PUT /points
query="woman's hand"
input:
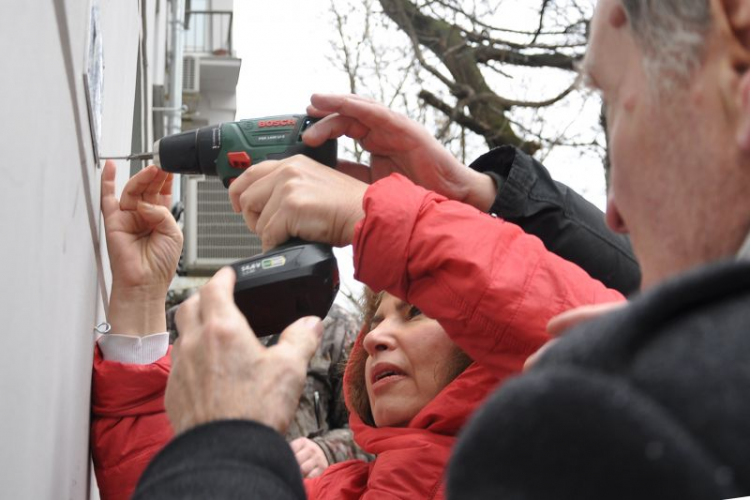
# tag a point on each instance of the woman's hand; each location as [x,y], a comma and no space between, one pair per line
[310,457]
[298,197]
[144,245]
[396,144]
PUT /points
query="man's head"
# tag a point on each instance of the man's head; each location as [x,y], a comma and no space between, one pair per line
[675,80]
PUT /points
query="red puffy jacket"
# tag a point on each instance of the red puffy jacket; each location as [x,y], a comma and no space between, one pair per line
[491,286]
[128,424]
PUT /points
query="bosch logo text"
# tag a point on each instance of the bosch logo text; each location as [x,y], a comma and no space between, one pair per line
[277,123]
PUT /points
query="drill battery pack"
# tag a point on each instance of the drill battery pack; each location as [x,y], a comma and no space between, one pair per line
[291,281]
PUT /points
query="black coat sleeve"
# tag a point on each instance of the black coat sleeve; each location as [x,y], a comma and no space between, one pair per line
[223,460]
[573,433]
[569,226]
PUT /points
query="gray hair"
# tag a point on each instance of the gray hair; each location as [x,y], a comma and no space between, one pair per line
[672,35]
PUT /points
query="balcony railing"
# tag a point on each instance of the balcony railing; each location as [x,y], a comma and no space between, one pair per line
[208,32]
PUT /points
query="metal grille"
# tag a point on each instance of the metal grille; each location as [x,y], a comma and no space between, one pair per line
[220,235]
[191,74]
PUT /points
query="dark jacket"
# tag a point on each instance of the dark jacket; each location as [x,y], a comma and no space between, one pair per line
[568,225]
[225,460]
[648,403]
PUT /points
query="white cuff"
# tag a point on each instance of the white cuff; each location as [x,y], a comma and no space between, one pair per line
[744,253]
[132,349]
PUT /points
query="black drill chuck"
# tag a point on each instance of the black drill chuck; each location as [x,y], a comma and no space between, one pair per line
[191,152]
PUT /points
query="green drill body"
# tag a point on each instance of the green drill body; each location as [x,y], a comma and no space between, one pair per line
[226,150]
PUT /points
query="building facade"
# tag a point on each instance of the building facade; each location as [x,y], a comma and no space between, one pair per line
[81,79]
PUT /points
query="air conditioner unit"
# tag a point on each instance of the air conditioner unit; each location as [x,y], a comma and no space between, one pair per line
[214,234]
[191,74]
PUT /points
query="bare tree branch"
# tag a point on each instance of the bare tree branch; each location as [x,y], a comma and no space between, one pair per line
[543,60]
[545,3]
[459,57]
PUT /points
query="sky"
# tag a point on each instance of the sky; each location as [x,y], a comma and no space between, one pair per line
[283,51]
[284,46]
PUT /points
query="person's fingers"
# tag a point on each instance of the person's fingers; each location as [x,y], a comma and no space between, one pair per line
[531,360]
[109,201]
[217,296]
[308,466]
[270,211]
[562,322]
[309,456]
[369,112]
[303,335]
[219,312]
[253,200]
[333,102]
[164,198]
[159,219]
[316,112]
[298,444]
[350,115]
[247,179]
[188,318]
[333,127]
[276,231]
[166,188]
[137,186]
[315,472]
[304,453]
[153,190]
[165,195]
[251,219]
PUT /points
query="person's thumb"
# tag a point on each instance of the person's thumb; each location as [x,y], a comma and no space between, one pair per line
[304,336]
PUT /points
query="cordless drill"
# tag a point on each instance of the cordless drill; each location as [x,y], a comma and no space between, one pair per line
[290,281]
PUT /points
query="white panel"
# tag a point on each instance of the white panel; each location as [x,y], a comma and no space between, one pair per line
[120,28]
[49,292]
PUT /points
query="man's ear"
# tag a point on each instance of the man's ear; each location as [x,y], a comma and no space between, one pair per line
[737,15]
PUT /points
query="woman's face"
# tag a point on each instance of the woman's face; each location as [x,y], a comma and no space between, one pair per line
[408,363]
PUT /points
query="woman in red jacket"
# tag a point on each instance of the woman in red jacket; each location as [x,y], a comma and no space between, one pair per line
[409,389]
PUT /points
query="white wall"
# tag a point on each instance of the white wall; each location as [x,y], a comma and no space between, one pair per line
[50,293]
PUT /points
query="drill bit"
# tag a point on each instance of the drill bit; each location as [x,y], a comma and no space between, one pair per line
[135,156]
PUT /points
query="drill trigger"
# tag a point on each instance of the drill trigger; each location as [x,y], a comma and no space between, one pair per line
[239,159]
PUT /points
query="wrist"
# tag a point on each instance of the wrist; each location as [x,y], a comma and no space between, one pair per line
[137,311]
[482,191]
[356,214]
